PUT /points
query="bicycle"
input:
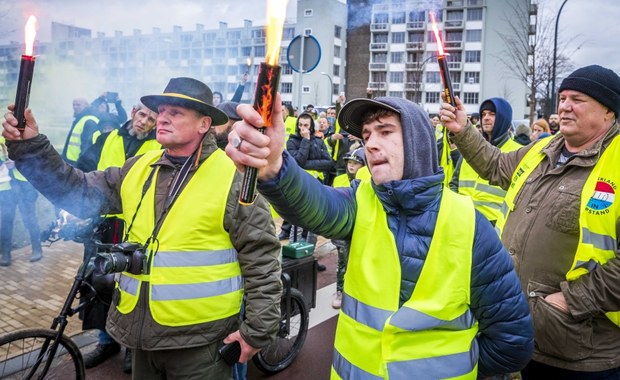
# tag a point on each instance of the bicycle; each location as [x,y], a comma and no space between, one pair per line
[38,353]
[294,321]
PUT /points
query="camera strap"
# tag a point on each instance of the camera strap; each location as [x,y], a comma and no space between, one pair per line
[145,188]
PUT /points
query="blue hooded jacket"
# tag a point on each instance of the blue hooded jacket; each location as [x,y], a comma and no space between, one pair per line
[412,204]
[503,120]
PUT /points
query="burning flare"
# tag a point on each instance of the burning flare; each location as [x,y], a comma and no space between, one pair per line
[30,34]
[436,31]
[276,13]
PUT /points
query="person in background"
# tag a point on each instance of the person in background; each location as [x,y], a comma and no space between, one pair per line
[523,133]
[561,224]
[16,191]
[222,131]
[355,160]
[323,128]
[539,127]
[174,322]
[475,121]
[421,297]
[554,123]
[83,132]
[496,120]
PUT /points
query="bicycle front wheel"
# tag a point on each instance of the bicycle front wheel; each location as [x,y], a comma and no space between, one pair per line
[37,354]
[291,337]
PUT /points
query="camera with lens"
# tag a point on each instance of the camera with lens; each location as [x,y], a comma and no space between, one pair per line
[123,257]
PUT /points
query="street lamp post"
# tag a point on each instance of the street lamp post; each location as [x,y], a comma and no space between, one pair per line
[555,49]
[331,88]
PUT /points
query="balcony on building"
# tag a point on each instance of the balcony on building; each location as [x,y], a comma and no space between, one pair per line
[377,66]
[452,4]
[453,45]
[416,25]
[378,46]
[453,24]
[377,85]
[416,86]
[377,27]
[414,46]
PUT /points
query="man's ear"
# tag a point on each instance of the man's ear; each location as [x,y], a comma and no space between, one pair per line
[205,124]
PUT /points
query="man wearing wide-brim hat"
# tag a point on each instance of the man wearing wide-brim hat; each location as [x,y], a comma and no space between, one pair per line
[203,250]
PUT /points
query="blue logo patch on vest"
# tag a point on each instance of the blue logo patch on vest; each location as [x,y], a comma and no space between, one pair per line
[603,197]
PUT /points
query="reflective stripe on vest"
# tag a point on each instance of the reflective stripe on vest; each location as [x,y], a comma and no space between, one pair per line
[75,140]
[445,161]
[487,198]
[113,152]
[599,209]
[194,275]
[432,335]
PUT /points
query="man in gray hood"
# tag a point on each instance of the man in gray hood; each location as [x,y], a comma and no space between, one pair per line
[429,290]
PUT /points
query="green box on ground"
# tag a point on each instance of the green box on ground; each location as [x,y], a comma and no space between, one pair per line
[297,250]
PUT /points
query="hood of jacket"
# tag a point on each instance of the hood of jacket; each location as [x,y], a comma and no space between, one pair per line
[503,119]
[419,145]
[312,128]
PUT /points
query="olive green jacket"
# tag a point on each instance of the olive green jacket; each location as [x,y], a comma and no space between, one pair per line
[251,231]
[542,234]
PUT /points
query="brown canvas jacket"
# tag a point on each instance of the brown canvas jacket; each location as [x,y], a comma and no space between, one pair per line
[251,230]
[542,234]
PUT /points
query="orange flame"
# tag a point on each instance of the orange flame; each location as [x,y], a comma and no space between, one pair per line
[267,101]
[276,13]
[436,31]
[31,32]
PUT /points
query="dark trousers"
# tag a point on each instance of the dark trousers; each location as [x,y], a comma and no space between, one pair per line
[23,195]
[539,371]
[197,363]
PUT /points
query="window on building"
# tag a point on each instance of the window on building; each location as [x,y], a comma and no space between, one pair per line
[455,76]
[416,16]
[473,35]
[433,77]
[398,17]
[305,89]
[396,77]
[381,18]
[472,77]
[246,51]
[472,56]
[233,52]
[438,16]
[395,94]
[232,70]
[288,33]
[474,14]
[397,57]
[259,51]
[416,37]
[379,57]
[258,33]
[336,70]
[233,35]
[454,15]
[470,98]
[380,38]
[432,97]
[455,3]
[286,69]
[337,31]
[474,3]
[378,76]
[454,36]
[398,37]
[336,51]
[307,31]
[220,69]
[455,56]
[308,12]
[430,36]
[286,88]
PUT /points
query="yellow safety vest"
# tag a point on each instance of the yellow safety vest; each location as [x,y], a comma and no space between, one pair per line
[445,161]
[433,334]
[599,210]
[75,140]
[342,181]
[113,151]
[487,199]
[363,173]
[195,276]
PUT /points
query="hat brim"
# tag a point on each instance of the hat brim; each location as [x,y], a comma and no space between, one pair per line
[153,102]
[350,116]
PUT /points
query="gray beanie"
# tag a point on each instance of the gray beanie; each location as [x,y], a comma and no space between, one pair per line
[597,82]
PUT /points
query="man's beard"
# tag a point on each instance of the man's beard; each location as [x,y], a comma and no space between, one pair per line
[138,135]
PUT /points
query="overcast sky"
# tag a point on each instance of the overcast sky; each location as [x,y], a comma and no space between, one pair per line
[590,22]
